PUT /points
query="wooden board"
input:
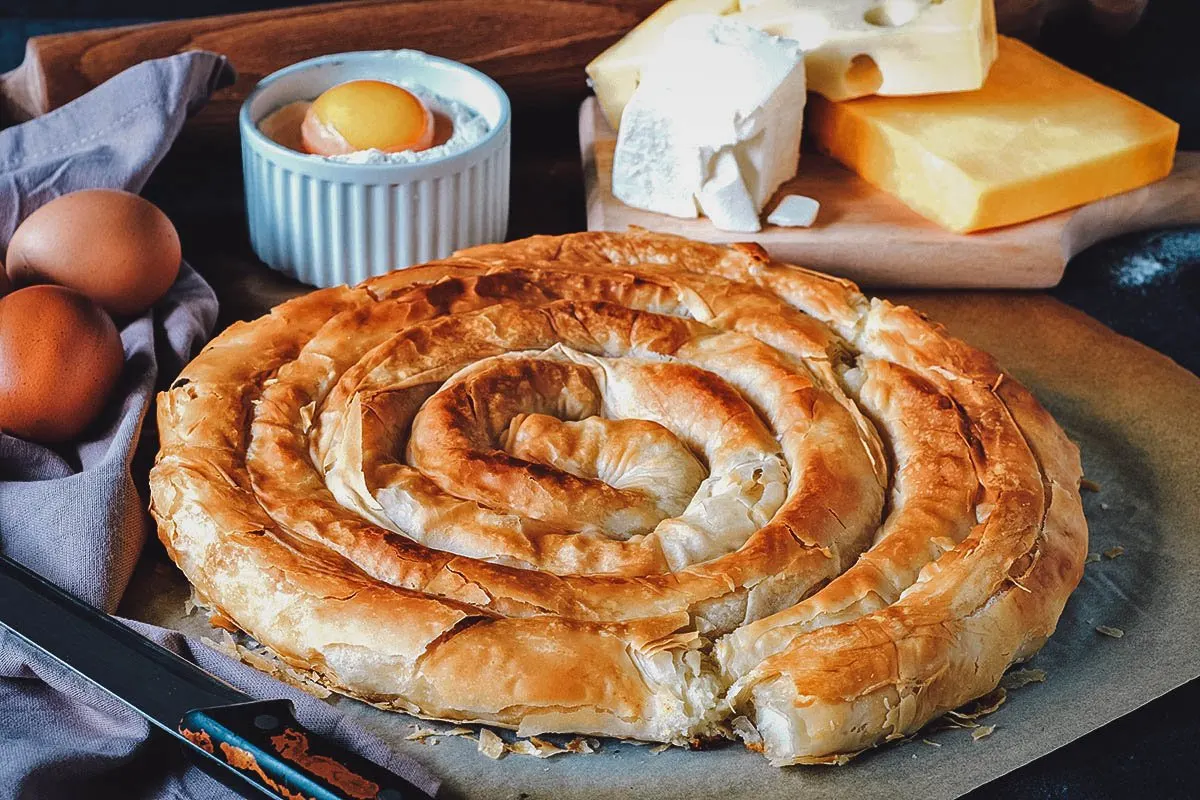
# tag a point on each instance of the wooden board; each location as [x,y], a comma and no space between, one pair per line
[536,49]
[870,237]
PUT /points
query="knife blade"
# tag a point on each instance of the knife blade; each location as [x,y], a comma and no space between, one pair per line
[253,746]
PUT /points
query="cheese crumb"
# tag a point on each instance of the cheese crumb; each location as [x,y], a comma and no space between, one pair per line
[795,211]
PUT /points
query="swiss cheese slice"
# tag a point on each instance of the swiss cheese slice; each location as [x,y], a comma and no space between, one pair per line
[852,47]
[855,48]
[1036,139]
[615,73]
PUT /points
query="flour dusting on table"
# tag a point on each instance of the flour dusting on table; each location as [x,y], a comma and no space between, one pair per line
[1160,255]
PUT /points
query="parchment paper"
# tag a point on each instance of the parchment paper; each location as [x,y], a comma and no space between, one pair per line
[1131,410]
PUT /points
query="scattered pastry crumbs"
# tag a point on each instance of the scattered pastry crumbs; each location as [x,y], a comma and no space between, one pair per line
[494,747]
[223,644]
[1113,552]
[490,744]
[1115,633]
[982,731]
[429,735]
[982,706]
[1092,558]
[947,723]
[1023,677]
[421,733]
[534,746]
[583,745]
[931,743]
[964,717]
[190,605]
[745,730]
[659,749]
[218,620]
[1088,485]
[264,660]
[834,760]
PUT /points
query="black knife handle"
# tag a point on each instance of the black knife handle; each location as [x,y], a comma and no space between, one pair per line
[263,742]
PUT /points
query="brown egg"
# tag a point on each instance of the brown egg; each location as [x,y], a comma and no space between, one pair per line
[60,356]
[112,246]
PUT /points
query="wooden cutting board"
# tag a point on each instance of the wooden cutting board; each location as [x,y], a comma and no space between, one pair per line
[536,49]
[866,235]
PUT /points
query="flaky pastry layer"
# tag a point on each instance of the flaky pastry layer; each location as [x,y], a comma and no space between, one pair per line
[626,485]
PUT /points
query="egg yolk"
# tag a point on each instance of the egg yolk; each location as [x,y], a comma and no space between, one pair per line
[365,115]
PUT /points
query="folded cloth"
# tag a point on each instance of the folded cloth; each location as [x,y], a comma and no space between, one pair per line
[74,514]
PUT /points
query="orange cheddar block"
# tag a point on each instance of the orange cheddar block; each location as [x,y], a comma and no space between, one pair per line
[1036,139]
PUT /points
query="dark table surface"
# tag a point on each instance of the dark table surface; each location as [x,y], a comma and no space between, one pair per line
[1146,286]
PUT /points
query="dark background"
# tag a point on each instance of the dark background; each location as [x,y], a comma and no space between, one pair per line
[1146,286]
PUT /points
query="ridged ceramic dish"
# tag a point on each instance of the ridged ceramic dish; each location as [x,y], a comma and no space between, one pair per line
[328,223]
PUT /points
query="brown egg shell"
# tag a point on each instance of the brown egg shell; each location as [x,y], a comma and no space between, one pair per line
[60,357]
[113,246]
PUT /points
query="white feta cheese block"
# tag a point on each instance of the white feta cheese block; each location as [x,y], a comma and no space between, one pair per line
[724,197]
[795,211]
[714,125]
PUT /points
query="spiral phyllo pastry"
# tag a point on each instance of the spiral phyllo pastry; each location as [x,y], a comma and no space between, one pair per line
[626,485]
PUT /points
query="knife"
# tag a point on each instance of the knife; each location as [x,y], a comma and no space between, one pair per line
[246,744]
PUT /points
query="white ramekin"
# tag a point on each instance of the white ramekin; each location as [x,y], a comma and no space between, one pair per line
[328,223]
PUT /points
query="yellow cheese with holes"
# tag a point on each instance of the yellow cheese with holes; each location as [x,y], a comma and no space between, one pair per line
[615,73]
[852,48]
[1036,139]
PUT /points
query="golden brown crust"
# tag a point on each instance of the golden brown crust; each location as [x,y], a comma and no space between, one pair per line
[624,485]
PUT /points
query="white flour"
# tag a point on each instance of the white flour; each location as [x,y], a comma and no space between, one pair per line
[1139,270]
[1157,257]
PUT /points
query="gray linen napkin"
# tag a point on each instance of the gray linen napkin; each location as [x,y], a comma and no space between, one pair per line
[74,514]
